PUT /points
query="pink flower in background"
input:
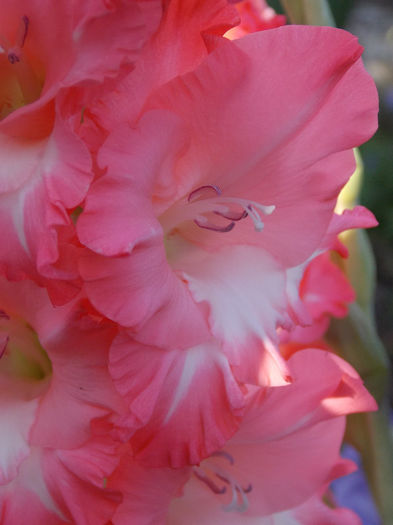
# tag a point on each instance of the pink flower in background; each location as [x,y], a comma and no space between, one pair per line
[255,15]
[317,289]
[325,292]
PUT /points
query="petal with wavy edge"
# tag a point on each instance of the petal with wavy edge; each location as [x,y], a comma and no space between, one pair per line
[252,133]
[180,422]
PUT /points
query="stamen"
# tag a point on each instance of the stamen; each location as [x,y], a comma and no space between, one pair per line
[239,506]
[209,482]
[14,53]
[205,202]
[235,485]
[258,224]
[23,30]
[239,502]
[223,454]
[250,208]
[202,222]
[13,57]
[232,216]
[238,493]
[3,346]
[196,194]
[4,315]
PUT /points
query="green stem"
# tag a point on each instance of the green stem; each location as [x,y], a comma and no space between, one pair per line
[309,12]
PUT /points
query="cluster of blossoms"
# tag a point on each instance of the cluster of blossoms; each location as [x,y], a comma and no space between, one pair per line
[167,198]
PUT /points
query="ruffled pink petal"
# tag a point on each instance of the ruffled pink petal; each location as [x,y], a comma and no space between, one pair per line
[358,217]
[351,396]
[81,389]
[78,387]
[325,288]
[29,490]
[20,160]
[308,93]
[323,386]
[187,400]
[140,284]
[77,42]
[63,486]
[180,42]
[51,166]
[68,410]
[109,36]
[25,300]
[147,493]
[133,158]
[325,292]
[132,289]
[77,481]
[181,37]
[296,428]
[35,216]
[13,510]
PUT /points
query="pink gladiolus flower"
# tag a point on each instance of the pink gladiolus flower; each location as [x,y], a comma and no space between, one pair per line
[56,401]
[285,452]
[215,193]
[182,159]
[54,57]
[172,192]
